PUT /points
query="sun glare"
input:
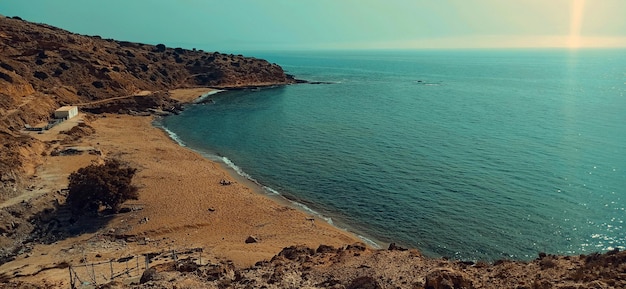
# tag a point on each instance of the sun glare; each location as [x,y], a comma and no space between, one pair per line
[576,21]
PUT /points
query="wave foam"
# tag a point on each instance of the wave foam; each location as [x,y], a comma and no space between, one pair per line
[204,96]
[173,136]
[237,169]
[370,242]
[269,190]
[310,211]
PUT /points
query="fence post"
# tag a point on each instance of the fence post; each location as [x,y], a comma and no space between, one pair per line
[93,273]
[71,278]
[147,256]
[111,266]
[137,261]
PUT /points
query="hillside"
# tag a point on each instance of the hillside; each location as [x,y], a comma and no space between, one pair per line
[44,67]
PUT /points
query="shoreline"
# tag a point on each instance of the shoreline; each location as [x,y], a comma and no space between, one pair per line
[237,173]
[185,184]
[182,204]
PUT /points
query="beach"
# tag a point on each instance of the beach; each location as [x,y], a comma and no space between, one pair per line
[185,201]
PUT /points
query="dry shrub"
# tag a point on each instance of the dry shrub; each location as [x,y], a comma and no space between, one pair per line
[106,185]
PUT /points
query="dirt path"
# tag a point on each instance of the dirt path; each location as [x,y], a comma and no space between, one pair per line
[52,175]
[141,93]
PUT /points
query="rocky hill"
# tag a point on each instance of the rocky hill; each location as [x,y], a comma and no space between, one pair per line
[44,67]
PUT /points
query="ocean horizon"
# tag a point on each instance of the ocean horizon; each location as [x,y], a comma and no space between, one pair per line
[474,155]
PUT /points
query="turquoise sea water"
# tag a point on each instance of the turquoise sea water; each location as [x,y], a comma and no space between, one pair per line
[475,155]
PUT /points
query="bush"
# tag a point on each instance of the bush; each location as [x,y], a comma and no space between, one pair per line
[41,75]
[97,84]
[94,186]
[160,47]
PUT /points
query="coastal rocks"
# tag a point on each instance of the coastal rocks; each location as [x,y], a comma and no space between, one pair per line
[445,278]
[296,252]
[356,247]
[302,267]
[325,249]
[365,282]
[394,247]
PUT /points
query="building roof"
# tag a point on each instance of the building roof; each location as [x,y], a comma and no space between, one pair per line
[66,108]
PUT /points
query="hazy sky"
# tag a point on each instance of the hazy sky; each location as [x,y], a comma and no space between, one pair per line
[240,25]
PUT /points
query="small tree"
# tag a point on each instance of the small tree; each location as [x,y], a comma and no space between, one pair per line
[106,185]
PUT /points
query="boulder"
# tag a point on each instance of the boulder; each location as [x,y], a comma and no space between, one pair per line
[394,247]
[251,239]
[325,249]
[444,278]
[148,275]
[364,282]
[296,252]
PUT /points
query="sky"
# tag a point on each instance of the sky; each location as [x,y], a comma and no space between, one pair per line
[256,25]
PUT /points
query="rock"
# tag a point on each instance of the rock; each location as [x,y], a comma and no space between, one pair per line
[444,278]
[218,271]
[251,239]
[148,275]
[356,247]
[186,266]
[296,252]
[125,259]
[325,249]
[365,282]
[124,210]
[277,276]
[597,284]
[394,247]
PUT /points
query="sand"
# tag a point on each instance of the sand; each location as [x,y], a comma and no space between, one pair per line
[188,95]
[182,203]
[185,203]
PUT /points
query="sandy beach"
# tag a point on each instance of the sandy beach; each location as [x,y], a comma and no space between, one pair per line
[185,203]
[182,203]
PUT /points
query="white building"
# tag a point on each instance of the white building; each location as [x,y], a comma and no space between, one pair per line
[66,112]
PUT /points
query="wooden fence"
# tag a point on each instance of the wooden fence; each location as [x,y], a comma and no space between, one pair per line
[93,274]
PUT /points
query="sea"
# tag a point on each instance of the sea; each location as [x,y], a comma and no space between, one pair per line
[471,155]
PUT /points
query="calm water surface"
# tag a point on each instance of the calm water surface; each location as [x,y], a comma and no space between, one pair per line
[466,154]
